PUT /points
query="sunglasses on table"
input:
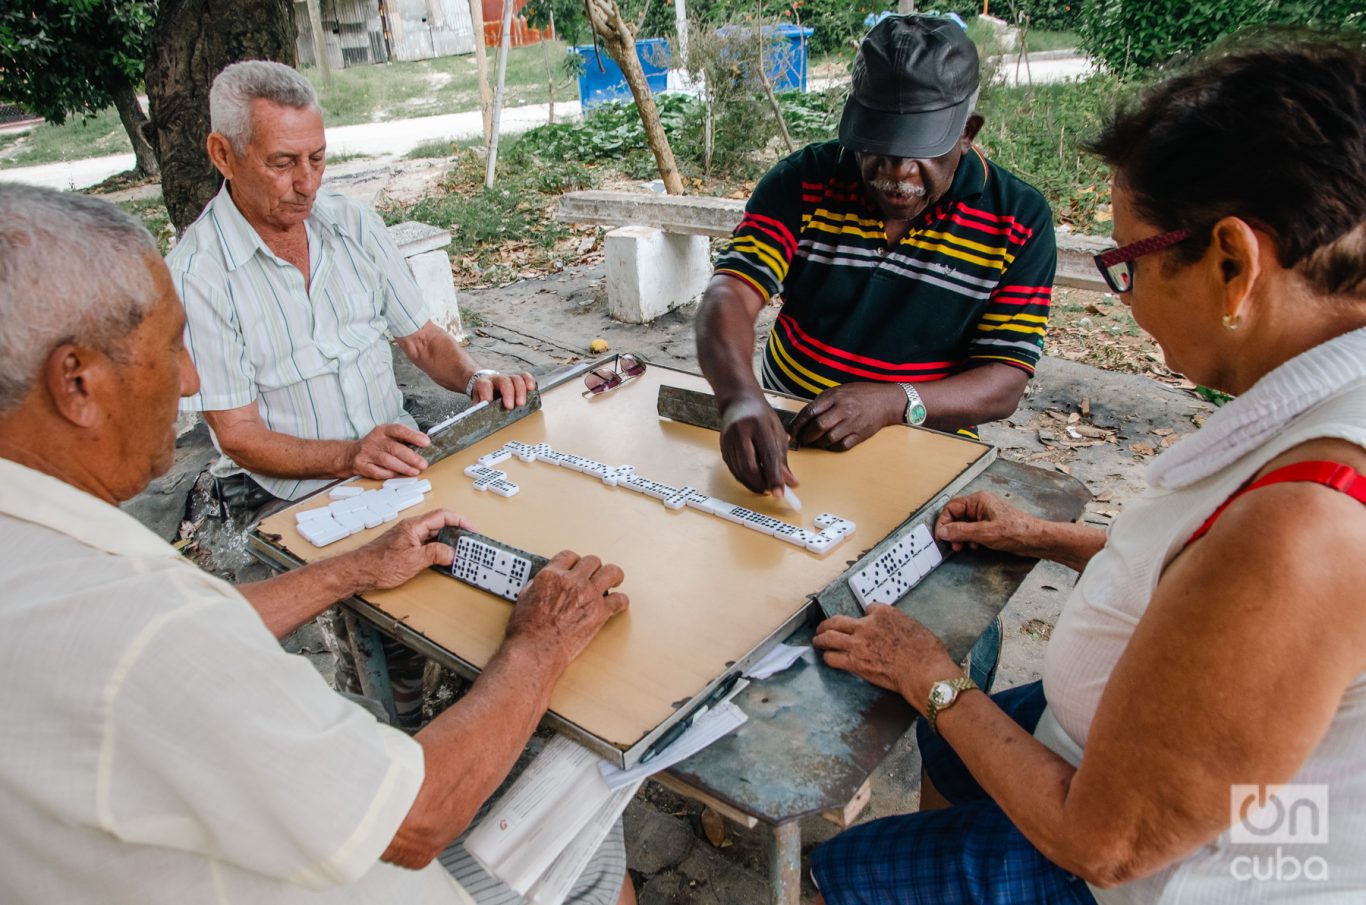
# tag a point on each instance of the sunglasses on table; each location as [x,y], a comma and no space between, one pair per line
[624,367]
[1117,264]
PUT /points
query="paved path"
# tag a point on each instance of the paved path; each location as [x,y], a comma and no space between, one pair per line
[398,137]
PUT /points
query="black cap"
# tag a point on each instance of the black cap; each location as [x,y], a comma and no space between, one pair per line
[914,78]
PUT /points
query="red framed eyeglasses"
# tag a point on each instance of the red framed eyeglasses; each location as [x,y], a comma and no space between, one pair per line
[1116,265]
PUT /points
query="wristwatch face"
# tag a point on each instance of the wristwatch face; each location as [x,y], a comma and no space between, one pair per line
[941,693]
[917,414]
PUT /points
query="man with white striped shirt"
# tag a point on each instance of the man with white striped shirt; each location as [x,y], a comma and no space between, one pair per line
[289,289]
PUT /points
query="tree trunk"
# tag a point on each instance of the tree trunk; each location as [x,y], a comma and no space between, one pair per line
[191,42]
[134,121]
[605,18]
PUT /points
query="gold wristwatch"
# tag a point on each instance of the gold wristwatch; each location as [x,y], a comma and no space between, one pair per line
[944,695]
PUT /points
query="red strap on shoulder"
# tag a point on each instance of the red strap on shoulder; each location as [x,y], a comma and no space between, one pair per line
[1334,475]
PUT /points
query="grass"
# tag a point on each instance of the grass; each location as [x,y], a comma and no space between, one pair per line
[1036,131]
[360,94]
[98,136]
[367,94]
[152,213]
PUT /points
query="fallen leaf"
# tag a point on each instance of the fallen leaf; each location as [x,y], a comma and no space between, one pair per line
[1074,418]
[1162,431]
[1170,440]
[1103,497]
[1141,449]
[1062,468]
[714,825]
[1086,406]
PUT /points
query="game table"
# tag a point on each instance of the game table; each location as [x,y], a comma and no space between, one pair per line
[708,596]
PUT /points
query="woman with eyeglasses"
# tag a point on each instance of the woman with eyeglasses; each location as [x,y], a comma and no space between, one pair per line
[1199,735]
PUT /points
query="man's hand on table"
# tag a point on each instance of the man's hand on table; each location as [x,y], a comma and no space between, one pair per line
[754,444]
[889,649]
[512,389]
[384,453]
[403,551]
[566,604]
[844,416]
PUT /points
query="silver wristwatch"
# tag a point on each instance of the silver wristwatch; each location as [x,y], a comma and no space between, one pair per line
[477,376]
[915,407]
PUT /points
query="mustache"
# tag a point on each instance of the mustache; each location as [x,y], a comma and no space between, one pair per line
[900,188]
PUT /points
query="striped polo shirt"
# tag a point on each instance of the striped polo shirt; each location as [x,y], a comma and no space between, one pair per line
[315,360]
[969,284]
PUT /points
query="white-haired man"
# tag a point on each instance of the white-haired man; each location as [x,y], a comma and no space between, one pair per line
[289,290]
[134,773]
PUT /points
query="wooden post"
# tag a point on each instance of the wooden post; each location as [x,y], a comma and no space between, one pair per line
[505,45]
[481,63]
[549,70]
[315,25]
[680,59]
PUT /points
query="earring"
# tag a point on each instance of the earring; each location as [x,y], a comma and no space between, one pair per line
[1231,321]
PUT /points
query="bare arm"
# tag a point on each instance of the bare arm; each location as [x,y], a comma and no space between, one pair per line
[438,354]
[1263,604]
[470,748]
[984,520]
[844,416]
[287,601]
[382,453]
[753,440]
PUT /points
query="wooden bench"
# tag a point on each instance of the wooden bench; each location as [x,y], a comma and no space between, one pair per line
[658,254]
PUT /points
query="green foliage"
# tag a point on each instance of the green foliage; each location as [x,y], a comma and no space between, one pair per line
[1126,35]
[57,57]
[1036,133]
[570,23]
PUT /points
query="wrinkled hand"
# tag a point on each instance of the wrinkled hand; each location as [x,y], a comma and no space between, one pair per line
[383,453]
[844,416]
[567,602]
[754,445]
[887,648]
[403,551]
[511,388]
[985,520]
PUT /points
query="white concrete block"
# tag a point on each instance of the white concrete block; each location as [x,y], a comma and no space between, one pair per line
[650,271]
[432,270]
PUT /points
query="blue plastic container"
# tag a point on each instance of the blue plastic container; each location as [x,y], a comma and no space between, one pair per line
[597,87]
[785,53]
[787,69]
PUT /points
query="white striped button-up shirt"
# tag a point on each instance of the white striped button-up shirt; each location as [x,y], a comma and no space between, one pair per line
[315,359]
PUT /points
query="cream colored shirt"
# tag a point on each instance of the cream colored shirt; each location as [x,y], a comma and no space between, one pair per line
[160,746]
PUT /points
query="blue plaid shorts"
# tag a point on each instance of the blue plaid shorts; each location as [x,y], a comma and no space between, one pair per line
[969,853]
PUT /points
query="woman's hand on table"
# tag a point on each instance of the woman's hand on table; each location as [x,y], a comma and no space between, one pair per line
[889,649]
[985,520]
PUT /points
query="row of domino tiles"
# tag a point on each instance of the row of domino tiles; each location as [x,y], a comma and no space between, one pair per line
[353,509]
[831,529]
[485,566]
[898,569]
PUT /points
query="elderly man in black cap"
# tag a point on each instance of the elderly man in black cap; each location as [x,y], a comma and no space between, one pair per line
[915,274]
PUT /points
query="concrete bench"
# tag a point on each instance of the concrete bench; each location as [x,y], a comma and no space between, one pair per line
[423,247]
[658,255]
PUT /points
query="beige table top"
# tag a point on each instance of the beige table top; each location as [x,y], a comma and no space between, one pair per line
[704,591]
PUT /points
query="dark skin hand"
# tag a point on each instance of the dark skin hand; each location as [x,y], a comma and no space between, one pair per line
[844,416]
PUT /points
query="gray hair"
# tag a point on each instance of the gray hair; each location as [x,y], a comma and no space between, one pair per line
[241,83]
[72,268]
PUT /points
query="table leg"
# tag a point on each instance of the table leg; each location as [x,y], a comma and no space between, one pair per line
[371,667]
[785,863]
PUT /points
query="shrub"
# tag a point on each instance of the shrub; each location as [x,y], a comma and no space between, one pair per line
[1124,35]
